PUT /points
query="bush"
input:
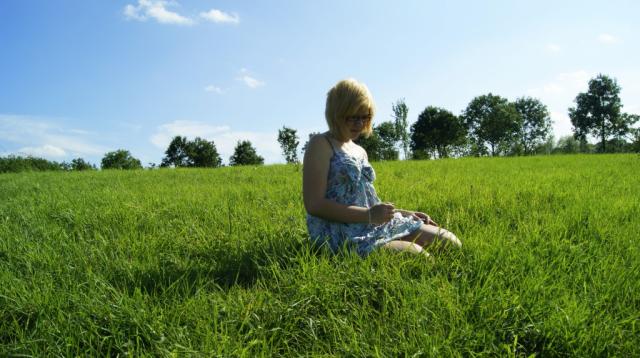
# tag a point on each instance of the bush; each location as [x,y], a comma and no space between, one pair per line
[120,159]
[15,164]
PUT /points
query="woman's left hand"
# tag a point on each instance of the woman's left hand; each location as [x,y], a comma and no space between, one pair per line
[425,218]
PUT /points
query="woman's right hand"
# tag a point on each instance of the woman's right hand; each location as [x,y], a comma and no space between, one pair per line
[381,213]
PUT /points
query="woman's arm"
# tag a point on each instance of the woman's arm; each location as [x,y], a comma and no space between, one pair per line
[314,188]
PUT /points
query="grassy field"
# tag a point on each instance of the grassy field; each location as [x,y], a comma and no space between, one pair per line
[216,262]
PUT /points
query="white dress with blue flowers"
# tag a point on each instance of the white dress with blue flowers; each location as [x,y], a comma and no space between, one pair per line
[350,182]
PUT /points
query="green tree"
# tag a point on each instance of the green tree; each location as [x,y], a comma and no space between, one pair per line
[288,140]
[635,141]
[81,164]
[536,123]
[400,112]
[547,146]
[245,154]
[598,112]
[15,164]
[436,131]
[492,119]
[381,144]
[120,159]
[177,153]
[203,154]
[567,145]
[371,145]
[387,132]
[196,153]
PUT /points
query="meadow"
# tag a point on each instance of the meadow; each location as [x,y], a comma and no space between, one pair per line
[216,262]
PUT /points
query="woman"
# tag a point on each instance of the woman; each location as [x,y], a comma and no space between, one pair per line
[342,205]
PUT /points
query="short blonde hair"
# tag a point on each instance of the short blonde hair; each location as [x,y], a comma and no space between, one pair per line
[348,98]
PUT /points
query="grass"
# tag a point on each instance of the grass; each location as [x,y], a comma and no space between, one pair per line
[216,262]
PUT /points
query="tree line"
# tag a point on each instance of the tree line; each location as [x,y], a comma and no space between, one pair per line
[490,125]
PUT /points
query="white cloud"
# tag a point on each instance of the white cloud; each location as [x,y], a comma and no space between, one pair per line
[558,94]
[45,137]
[224,137]
[155,9]
[553,48]
[220,17]
[563,84]
[248,80]
[561,124]
[608,39]
[214,89]
[46,150]
[251,82]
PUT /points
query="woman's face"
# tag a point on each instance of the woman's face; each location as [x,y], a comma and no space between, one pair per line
[356,123]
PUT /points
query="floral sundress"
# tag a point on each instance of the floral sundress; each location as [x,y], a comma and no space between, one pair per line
[350,182]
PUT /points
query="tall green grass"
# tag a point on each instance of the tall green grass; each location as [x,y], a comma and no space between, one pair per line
[216,262]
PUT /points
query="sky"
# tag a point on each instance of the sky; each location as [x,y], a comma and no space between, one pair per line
[82,78]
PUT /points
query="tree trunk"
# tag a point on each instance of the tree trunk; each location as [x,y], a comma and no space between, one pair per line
[603,137]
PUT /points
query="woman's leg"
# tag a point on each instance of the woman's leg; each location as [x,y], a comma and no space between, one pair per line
[406,246]
[429,235]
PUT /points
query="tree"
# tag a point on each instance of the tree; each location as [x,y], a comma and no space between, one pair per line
[400,111]
[381,144]
[196,153]
[177,154]
[387,132]
[536,123]
[245,154]
[15,164]
[120,159]
[493,120]
[597,112]
[288,140]
[635,143]
[203,154]
[371,145]
[81,164]
[567,145]
[436,131]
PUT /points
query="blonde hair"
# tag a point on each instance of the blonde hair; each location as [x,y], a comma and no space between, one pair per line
[348,98]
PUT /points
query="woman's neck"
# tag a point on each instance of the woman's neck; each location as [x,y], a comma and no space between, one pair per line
[348,141]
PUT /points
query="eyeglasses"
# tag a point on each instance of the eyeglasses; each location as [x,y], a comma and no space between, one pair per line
[364,119]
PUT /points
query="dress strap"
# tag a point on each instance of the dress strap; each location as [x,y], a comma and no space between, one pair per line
[331,144]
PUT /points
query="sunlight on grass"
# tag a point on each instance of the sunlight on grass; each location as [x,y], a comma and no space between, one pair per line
[217,262]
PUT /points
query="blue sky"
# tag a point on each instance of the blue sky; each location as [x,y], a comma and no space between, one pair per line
[80,78]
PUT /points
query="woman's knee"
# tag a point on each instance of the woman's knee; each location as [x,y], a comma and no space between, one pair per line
[406,246]
[450,238]
[436,235]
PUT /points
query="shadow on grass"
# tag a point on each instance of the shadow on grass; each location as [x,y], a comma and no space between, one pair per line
[214,268]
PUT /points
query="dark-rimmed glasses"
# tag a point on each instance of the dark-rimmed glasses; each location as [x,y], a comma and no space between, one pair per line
[364,119]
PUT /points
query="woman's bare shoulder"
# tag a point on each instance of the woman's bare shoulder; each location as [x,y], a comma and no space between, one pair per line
[319,147]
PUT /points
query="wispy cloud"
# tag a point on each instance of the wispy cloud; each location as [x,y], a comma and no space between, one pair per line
[156,9]
[47,151]
[224,137]
[558,94]
[45,137]
[249,80]
[568,82]
[214,89]
[608,39]
[220,17]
